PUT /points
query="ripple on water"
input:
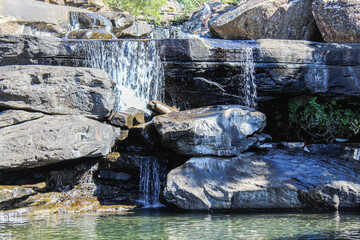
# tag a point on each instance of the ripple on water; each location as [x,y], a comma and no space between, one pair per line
[150,224]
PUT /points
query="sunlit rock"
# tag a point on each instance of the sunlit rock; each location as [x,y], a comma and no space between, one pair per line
[90,34]
[274,180]
[56,90]
[11,117]
[137,30]
[338,21]
[254,19]
[53,139]
[217,130]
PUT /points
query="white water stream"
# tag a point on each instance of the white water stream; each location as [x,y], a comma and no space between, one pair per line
[134,66]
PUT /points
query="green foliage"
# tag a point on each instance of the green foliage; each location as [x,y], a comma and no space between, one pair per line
[192,5]
[180,20]
[148,8]
[232,2]
[324,121]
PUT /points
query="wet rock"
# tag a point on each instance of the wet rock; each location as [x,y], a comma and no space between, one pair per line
[9,195]
[137,30]
[11,117]
[274,180]
[56,90]
[142,137]
[127,118]
[53,139]
[85,20]
[168,32]
[112,175]
[217,130]
[338,21]
[254,19]
[90,34]
[120,20]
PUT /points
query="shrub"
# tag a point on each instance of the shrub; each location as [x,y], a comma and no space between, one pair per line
[324,121]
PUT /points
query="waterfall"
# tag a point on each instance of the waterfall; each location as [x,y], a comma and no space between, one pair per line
[151,176]
[134,66]
[247,86]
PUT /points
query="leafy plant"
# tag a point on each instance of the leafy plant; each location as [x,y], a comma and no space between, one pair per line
[324,121]
[232,2]
[148,8]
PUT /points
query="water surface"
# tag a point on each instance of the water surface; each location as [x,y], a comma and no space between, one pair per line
[150,224]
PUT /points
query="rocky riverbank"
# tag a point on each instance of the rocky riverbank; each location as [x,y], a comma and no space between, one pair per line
[68,145]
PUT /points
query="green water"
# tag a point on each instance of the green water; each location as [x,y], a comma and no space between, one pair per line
[165,225]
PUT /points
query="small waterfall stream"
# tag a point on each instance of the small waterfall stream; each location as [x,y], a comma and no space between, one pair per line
[247,86]
[134,66]
[152,173]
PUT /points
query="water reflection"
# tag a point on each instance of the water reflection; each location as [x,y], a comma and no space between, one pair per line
[165,225]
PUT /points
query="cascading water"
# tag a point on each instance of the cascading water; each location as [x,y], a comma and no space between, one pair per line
[151,177]
[134,66]
[247,86]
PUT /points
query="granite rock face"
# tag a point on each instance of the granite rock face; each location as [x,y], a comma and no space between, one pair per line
[53,139]
[278,19]
[338,21]
[11,117]
[217,130]
[56,90]
[275,180]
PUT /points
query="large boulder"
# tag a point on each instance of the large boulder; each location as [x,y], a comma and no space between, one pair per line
[255,19]
[37,11]
[53,139]
[275,180]
[217,130]
[12,25]
[338,21]
[56,90]
[137,30]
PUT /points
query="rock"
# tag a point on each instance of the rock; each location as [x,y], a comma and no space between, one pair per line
[56,90]
[338,21]
[168,32]
[11,117]
[194,24]
[137,30]
[53,139]
[74,190]
[11,194]
[120,20]
[254,19]
[271,181]
[90,34]
[12,25]
[37,11]
[85,20]
[41,29]
[127,118]
[201,72]
[160,108]
[141,138]
[112,175]
[217,130]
